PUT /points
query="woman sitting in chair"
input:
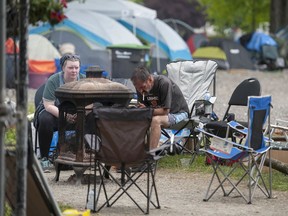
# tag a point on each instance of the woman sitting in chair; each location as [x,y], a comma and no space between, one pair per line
[48,118]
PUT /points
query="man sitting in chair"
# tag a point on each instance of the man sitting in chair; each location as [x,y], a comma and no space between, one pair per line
[162,94]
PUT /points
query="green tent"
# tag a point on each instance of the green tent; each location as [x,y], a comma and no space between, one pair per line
[212,53]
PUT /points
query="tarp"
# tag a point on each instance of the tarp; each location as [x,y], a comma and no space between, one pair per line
[258,40]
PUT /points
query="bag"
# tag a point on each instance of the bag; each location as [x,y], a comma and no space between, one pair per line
[39,109]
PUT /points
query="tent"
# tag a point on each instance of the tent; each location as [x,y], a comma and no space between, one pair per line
[195,40]
[237,56]
[42,57]
[90,33]
[193,37]
[165,43]
[212,53]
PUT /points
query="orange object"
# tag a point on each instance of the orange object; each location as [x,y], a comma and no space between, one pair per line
[42,66]
[10,46]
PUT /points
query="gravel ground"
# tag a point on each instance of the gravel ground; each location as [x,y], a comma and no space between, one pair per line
[181,192]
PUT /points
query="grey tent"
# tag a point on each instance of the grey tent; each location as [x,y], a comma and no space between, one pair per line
[237,56]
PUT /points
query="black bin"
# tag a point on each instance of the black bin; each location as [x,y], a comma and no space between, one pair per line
[126,57]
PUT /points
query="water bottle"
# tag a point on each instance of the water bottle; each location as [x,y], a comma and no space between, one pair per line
[90,203]
[207,96]
[207,105]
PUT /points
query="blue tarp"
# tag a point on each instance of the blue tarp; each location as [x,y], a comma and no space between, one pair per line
[258,40]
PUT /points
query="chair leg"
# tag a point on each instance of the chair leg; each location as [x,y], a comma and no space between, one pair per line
[130,179]
[225,178]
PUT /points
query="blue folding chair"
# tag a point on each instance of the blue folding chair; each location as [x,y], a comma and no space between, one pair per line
[250,157]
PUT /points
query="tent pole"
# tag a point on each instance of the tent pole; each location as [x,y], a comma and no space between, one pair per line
[157,48]
[21,109]
[2,104]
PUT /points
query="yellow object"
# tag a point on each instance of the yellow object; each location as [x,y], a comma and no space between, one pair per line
[74,212]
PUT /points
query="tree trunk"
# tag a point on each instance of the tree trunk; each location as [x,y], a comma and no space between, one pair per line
[278,15]
[277,165]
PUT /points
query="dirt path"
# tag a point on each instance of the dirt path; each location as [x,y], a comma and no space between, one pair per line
[180,193]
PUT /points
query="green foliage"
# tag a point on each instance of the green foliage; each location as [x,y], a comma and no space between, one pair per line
[10,136]
[47,10]
[242,14]
[7,209]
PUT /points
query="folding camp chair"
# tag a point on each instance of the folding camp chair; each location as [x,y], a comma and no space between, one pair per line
[250,157]
[123,142]
[38,109]
[239,97]
[194,79]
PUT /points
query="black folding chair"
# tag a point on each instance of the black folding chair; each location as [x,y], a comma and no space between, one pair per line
[122,141]
[239,97]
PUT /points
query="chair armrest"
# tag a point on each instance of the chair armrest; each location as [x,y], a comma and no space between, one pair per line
[238,127]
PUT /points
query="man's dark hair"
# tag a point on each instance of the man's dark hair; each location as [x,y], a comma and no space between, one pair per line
[140,73]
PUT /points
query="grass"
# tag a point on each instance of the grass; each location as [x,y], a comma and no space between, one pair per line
[279,180]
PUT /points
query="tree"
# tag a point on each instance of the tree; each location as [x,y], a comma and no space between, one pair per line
[188,11]
[278,15]
[51,11]
[247,15]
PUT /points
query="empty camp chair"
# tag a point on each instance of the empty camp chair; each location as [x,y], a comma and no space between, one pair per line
[239,97]
[122,141]
[194,79]
[249,157]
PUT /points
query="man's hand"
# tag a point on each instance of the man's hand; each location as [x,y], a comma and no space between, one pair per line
[140,105]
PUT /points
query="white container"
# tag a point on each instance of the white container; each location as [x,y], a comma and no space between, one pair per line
[90,203]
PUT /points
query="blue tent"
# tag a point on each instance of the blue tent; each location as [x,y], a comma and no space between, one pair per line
[91,33]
